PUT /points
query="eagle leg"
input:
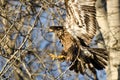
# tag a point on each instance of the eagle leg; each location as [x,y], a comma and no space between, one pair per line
[57,57]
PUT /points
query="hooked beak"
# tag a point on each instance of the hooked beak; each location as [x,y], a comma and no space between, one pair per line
[50,30]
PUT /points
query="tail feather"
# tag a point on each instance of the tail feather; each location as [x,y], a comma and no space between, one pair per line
[99,52]
[97,64]
[89,58]
[81,67]
[74,67]
[78,67]
[101,60]
[97,56]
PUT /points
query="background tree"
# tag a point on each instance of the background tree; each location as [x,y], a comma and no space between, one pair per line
[109,22]
[25,44]
[113,11]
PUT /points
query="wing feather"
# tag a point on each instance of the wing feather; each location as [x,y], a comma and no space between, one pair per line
[81,21]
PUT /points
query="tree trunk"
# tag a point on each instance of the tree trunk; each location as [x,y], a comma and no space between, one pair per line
[109,22]
[114,39]
[102,21]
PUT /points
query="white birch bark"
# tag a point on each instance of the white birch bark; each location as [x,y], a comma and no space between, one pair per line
[114,41]
[109,23]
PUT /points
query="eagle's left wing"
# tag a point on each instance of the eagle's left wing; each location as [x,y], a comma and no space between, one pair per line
[81,20]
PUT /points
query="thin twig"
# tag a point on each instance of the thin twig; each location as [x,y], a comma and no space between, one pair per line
[3,69]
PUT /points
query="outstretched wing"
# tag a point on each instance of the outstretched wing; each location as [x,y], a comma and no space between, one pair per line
[81,19]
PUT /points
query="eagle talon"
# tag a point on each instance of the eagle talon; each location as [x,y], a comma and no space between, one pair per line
[53,56]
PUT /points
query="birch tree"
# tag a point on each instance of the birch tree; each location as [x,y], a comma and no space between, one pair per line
[113,12]
[108,16]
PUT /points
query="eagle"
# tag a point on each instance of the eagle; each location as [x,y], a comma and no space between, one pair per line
[76,35]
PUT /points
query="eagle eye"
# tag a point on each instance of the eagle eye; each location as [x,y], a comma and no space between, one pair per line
[55,28]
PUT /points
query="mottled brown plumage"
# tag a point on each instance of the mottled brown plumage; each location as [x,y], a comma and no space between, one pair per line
[82,55]
[76,35]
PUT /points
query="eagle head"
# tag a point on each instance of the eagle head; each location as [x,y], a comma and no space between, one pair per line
[58,30]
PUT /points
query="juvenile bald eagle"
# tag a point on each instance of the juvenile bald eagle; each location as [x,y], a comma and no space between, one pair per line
[76,35]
